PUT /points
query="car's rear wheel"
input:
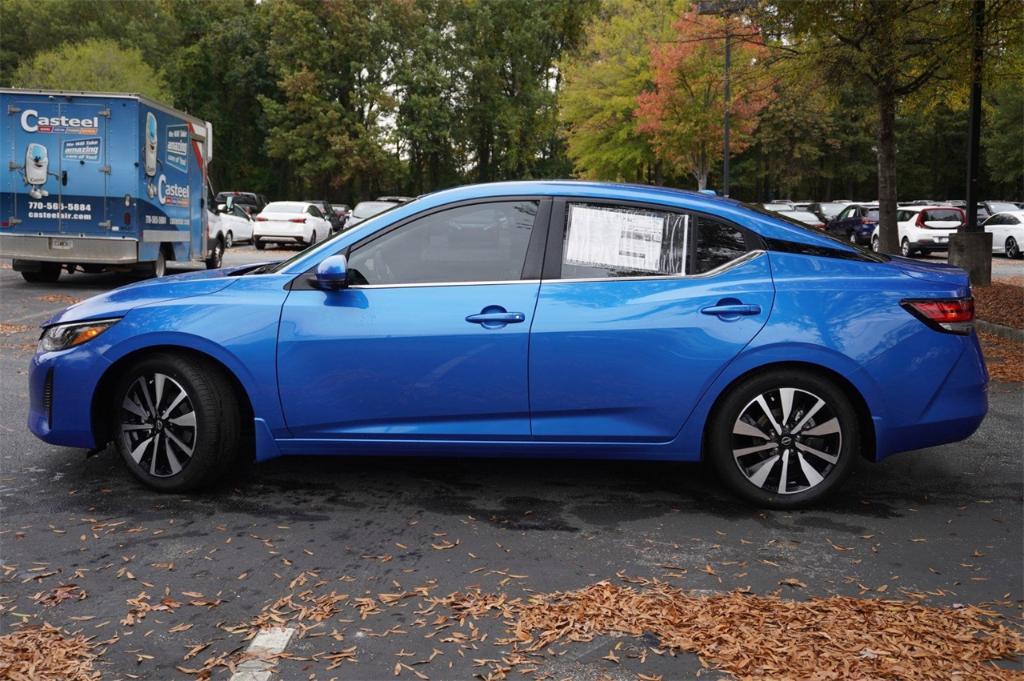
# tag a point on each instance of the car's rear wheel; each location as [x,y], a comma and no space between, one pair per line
[177,422]
[783,439]
[1012,248]
[853,237]
[259,244]
[229,239]
[876,244]
[312,238]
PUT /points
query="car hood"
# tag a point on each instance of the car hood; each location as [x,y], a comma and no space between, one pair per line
[119,301]
[939,273]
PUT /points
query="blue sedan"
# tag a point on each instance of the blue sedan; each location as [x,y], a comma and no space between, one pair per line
[530,319]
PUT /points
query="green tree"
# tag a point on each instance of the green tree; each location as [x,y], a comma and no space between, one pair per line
[598,102]
[92,65]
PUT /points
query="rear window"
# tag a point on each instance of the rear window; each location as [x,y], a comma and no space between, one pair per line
[804,216]
[942,215]
[871,214]
[369,208]
[285,207]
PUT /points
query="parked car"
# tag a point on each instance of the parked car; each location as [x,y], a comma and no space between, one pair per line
[536,319]
[1007,229]
[805,217]
[251,202]
[342,211]
[327,210]
[855,223]
[290,222]
[367,209]
[236,223]
[827,210]
[924,229]
[993,207]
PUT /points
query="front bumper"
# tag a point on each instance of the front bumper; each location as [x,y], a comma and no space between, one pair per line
[69,248]
[61,389]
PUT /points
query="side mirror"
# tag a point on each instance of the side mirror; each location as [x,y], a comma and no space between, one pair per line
[332,273]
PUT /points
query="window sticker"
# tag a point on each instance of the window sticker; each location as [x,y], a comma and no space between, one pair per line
[619,239]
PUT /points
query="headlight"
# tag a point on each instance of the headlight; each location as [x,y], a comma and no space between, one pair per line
[64,336]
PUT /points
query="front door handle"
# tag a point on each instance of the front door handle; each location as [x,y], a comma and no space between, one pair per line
[495,317]
[731,310]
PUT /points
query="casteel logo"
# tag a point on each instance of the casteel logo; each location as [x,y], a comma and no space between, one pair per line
[31,121]
[171,194]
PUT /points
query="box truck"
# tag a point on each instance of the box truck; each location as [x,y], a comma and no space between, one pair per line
[96,181]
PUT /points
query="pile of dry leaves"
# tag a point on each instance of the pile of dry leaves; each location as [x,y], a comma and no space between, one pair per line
[1003,357]
[1000,304]
[754,637]
[44,653]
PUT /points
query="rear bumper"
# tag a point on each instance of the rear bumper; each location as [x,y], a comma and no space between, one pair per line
[953,413]
[69,249]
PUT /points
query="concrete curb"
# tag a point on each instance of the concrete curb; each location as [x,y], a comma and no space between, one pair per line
[1000,330]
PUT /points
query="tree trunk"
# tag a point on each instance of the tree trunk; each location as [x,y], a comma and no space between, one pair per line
[887,231]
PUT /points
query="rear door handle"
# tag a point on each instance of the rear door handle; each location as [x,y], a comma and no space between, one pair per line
[496,318]
[731,310]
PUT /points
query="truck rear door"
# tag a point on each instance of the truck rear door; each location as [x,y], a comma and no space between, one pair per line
[83,168]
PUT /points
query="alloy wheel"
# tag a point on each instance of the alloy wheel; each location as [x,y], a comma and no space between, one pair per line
[875,245]
[1012,248]
[158,425]
[905,248]
[786,440]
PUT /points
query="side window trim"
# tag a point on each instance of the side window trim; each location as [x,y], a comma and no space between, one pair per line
[552,271]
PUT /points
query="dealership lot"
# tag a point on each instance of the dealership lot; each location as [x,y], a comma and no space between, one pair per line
[944,522]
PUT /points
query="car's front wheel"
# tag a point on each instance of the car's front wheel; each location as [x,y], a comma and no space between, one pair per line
[258,243]
[783,439]
[1012,248]
[229,239]
[176,423]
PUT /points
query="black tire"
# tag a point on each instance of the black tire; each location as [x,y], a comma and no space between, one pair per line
[905,249]
[158,267]
[1013,251]
[216,257]
[216,435]
[876,244]
[258,243]
[229,239]
[312,238]
[48,273]
[739,472]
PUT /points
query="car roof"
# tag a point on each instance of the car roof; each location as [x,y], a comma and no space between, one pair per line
[1014,213]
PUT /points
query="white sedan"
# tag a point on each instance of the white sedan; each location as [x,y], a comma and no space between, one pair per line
[1007,229]
[924,229]
[236,225]
[290,222]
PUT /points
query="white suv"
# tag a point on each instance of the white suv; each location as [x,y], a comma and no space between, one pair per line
[924,229]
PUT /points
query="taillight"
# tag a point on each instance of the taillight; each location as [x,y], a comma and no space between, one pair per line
[302,220]
[259,219]
[952,315]
[867,221]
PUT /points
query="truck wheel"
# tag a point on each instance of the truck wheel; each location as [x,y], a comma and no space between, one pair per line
[158,268]
[258,243]
[49,272]
[216,255]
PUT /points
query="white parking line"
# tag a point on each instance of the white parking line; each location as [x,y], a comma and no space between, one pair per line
[266,643]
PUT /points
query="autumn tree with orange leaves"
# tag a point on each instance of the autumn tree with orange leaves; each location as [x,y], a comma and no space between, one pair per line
[683,113]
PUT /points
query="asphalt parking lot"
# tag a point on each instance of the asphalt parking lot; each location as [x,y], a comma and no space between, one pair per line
[158,576]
